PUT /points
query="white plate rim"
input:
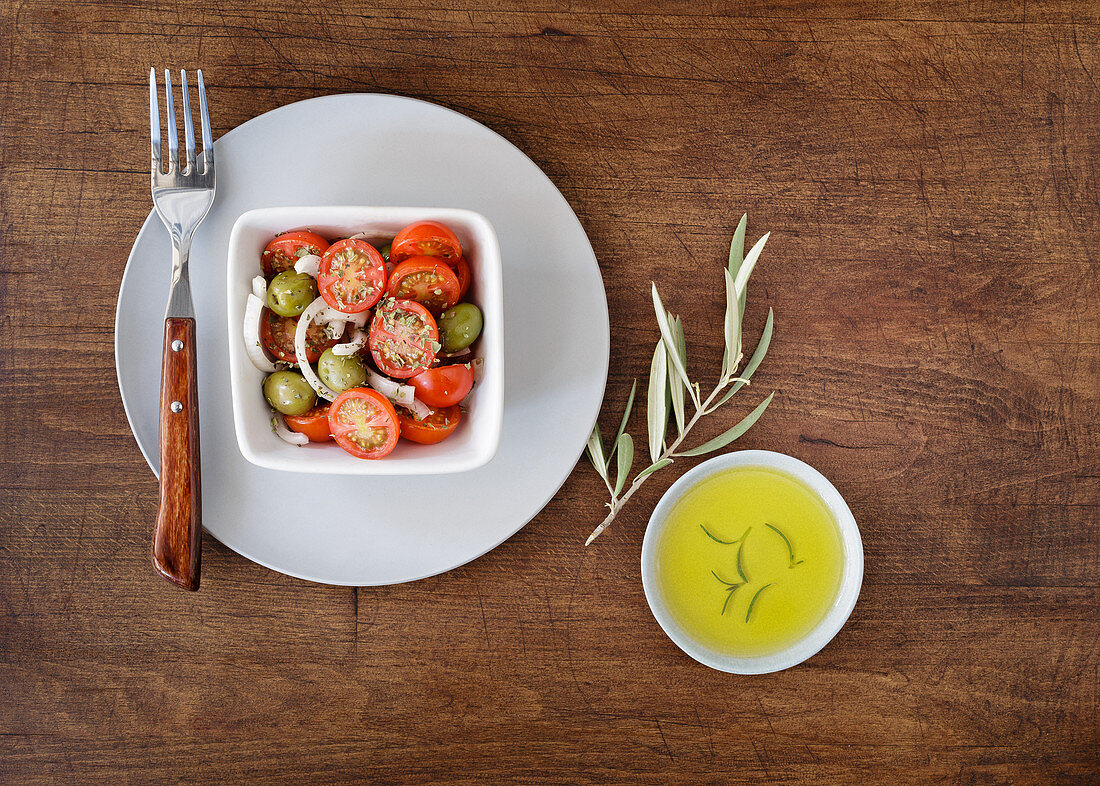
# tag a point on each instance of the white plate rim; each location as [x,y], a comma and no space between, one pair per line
[604,313]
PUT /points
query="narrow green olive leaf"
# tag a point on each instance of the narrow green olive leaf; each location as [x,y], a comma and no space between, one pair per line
[737,254]
[681,343]
[622,424]
[729,436]
[756,359]
[732,357]
[741,280]
[630,405]
[676,400]
[595,452]
[737,246]
[675,385]
[670,342]
[626,461]
[645,473]
[656,414]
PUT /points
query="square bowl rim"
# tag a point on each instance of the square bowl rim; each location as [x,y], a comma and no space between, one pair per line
[487,275]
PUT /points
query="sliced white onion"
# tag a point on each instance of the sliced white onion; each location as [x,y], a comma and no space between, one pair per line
[252,314]
[329,314]
[358,341]
[335,322]
[419,409]
[334,329]
[285,434]
[460,354]
[259,287]
[405,395]
[310,264]
[304,321]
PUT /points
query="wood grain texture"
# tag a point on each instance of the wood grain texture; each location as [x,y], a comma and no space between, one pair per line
[929,172]
[177,533]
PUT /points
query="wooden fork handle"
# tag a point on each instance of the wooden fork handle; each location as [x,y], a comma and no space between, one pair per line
[177,537]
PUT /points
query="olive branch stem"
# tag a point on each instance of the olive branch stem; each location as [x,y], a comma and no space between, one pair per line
[668,384]
[666,455]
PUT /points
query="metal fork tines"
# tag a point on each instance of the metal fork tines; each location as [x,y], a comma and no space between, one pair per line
[184,191]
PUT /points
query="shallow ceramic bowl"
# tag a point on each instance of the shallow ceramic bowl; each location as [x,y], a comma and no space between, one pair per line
[850,581]
[474,442]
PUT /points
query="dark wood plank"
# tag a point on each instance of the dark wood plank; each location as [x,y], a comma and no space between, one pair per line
[929,172]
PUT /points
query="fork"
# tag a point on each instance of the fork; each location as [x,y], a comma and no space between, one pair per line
[182,195]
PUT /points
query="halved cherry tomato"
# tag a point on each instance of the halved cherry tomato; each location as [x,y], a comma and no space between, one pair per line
[403,338]
[352,276]
[277,335]
[282,252]
[314,424]
[462,273]
[364,423]
[426,239]
[428,281]
[443,386]
[432,429]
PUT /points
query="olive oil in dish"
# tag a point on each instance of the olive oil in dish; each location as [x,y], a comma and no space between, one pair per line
[749,561]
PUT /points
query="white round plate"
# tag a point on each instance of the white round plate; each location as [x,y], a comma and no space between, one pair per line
[369,149]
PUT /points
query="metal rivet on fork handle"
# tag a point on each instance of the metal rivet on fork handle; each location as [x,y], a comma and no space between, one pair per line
[177,345]
[177,407]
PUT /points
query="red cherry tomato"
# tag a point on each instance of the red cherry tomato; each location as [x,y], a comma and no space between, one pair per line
[364,423]
[426,239]
[314,424]
[282,252]
[352,276]
[432,429]
[462,272]
[444,386]
[404,338]
[427,280]
[277,335]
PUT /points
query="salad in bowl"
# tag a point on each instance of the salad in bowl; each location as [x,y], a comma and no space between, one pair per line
[367,337]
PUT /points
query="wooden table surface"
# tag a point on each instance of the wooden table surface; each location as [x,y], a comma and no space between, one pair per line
[930,176]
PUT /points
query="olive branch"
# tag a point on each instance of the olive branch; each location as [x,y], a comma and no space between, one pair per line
[670,389]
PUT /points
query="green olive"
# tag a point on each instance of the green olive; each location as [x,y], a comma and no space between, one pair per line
[289,293]
[289,392]
[385,252]
[460,326]
[341,372]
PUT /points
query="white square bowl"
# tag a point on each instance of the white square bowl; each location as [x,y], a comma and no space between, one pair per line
[477,437]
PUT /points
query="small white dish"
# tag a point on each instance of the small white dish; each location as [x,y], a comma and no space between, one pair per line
[850,582]
[477,437]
